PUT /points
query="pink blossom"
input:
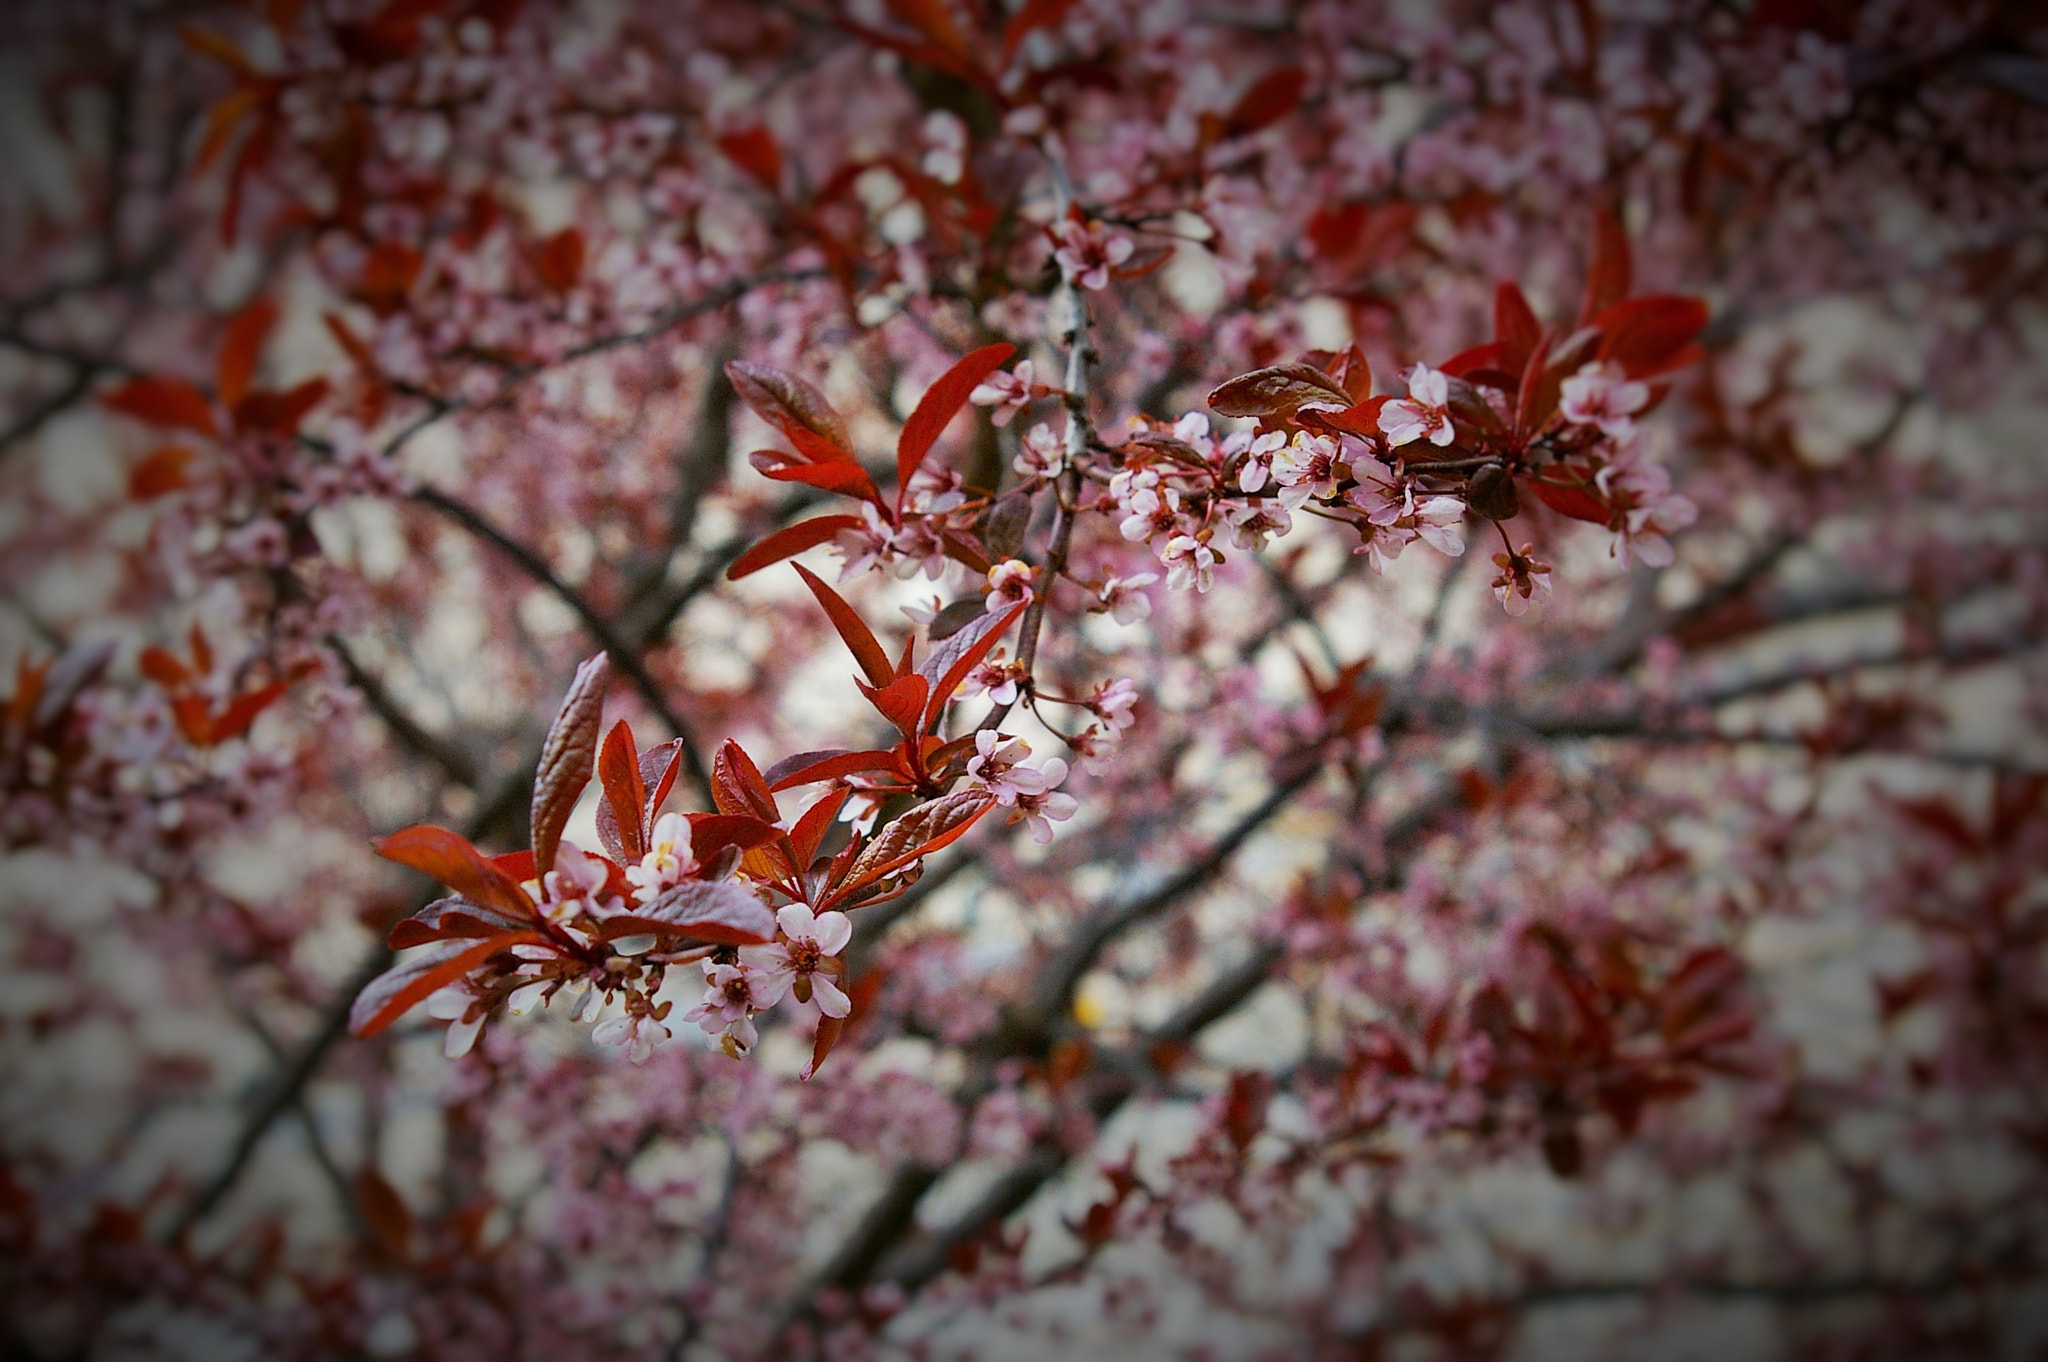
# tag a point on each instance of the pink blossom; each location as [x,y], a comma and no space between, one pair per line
[1523,578]
[638,1033]
[667,863]
[1423,414]
[1009,584]
[1641,493]
[733,993]
[1601,395]
[1087,253]
[1008,392]
[1306,467]
[1258,464]
[1121,597]
[997,768]
[1252,525]
[806,955]
[1041,454]
[1189,563]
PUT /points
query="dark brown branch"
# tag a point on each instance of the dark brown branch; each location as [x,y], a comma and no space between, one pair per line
[454,762]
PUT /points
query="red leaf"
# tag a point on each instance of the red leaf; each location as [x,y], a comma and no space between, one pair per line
[451,918]
[659,767]
[1609,274]
[388,276]
[960,654]
[349,341]
[918,833]
[625,796]
[163,402]
[860,640]
[243,710]
[451,859]
[209,44]
[1653,334]
[1536,396]
[789,403]
[1574,501]
[240,347]
[228,111]
[1278,390]
[901,702]
[828,766]
[754,151]
[394,992]
[699,910]
[1276,95]
[711,833]
[787,543]
[937,407]
[163,471]
[164,668]
[933,19]
[566,758]
[829,1031]
[847,479]
[737,787]
[1514,324]
[280,413]
[559,260]
[1487,356]
[810,830]
[384,1213]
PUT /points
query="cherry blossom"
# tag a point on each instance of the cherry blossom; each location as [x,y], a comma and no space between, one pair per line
[1088,252]
[1009,585]
[1124,598]
[809,947]
[1041,453]
[1423,414]
[1600,395]
[733,994]
[1189,563]
[668,861]
[1007,392]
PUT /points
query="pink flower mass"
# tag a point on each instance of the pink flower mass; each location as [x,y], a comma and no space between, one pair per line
[851,680]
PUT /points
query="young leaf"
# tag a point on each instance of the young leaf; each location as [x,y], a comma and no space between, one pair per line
[699,910]
[566,758]
[1274,96]
[163,402]
[240,347]
[1277,390]
[860,640]
[901,702]
[754,151]
[737,787]
[812,767]
[1653,334]
[384,1213]
[395,992]
[962,653]
[786,543]
[625,796]
[1611,270]
[450,858]
[788,403]
[712,833]
[449,918]
[1514,323]
[920,832]
[937,406]
[810,830]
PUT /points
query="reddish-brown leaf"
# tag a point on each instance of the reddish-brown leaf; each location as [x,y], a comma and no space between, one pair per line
[161,472]
[934,20]
[396,991]
[754,150]
[1275,95]
[937,407]
[450,858]
[810,829]
[1611,271]
[918,833]
[712,833]
[1537,395]
[1514,323]
[559,260]
[826,766]
[242,711]
[566,758]
[1573,500]
[901,702]
[625,795]
[239,349]
[280,413]
[164,668]
[860,640]
[699,910]
[737,787]
[449,919]
[222,119]
[209,44]
[788,403]
[1653,334]
[1278,390]
[163,402]
[829,1031]
[384,1213]
[787,543]
[847,479]
[950,662]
